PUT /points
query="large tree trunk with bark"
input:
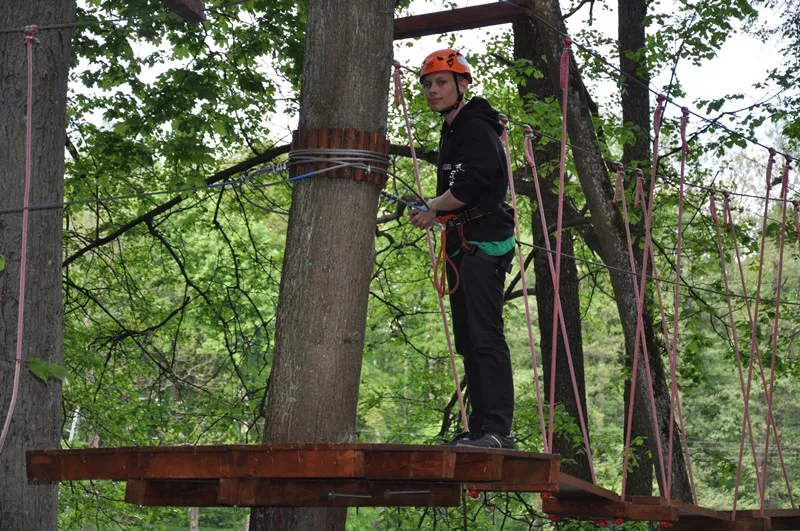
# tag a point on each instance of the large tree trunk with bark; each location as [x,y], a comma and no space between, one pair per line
[527,45]
[596,185]
[635,100]
[36,423]
[329,256]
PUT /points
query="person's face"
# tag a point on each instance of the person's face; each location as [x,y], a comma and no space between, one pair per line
[440,90]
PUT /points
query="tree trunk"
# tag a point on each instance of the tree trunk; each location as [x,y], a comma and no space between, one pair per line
[526,45]
[36,423]
[329,256]
[610,233]
[636,154]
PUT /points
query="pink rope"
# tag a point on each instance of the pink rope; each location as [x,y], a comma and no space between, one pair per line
[400,96]
[753,322]
[557,273]
[776,322]
[648,212]
[30,37]
[761,372]
[732,229]
[676,299]
[521,262]
[556,278]
[735,337]
[560,315]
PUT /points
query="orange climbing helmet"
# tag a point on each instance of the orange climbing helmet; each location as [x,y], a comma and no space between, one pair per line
[447,60]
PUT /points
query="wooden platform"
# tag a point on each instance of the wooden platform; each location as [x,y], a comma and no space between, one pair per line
[320,475]
[357,475]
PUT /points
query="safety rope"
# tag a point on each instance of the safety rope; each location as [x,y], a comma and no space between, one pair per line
[648,212]
[521,262]
[30,38]
[735,339]
[774,350]
[400,96]
[746,390]
[754,317]
[676,308]
[529,155]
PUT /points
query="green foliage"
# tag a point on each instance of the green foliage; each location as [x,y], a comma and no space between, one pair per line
[169,328]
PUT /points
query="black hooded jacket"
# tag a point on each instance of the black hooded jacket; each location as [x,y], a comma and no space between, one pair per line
[472,165]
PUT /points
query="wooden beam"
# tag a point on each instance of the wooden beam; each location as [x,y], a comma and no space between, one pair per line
[595,507]
[779,518]
[693,523]
[337,493]
[189,10]
[521,472]
[463,18]
[168,493]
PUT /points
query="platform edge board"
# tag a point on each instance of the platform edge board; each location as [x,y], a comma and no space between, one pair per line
[570,486]
[692,523]
[690,510]
[478,467]
[337,493]
[171,493]
[409,464]
[497,486]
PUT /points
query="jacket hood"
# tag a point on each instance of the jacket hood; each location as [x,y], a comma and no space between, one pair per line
[479,108]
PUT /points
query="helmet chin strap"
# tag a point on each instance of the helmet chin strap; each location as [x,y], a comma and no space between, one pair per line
[459,99]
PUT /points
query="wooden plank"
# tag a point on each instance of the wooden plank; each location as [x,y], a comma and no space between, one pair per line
[160,493]
[570,486]
[779,518]
[478,466]
[189,10]
[409,463]
[459,19]
[292,461]
[337,493]
[694,523]
[523,472]
[592,507]
[687,509]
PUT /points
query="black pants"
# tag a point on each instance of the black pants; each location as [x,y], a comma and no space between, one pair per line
[477,311]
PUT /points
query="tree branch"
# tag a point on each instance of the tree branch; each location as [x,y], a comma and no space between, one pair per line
[149,216]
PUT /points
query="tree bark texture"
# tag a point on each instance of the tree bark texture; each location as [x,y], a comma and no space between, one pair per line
[37,419]
[635,100]
[609,229]
[329,257]
[527,45]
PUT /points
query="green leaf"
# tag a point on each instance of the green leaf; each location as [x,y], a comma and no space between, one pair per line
[44,371]
[2,264]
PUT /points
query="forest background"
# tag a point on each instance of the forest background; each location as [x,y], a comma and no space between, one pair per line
[170,321]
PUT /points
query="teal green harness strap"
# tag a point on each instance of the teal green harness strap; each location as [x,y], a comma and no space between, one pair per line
[498,248]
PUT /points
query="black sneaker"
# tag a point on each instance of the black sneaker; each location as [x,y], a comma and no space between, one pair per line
[455,440]
[489,440]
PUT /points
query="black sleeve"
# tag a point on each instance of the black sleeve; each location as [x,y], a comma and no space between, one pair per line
[476,163]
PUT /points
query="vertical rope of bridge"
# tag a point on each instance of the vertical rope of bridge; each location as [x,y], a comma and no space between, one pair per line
[521,262]
[648,212]
[400,97]
[754,351]
[529,155]
[729,216]
[734,335]
[673,352]
[564,71]
[30,38]
[774,349]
